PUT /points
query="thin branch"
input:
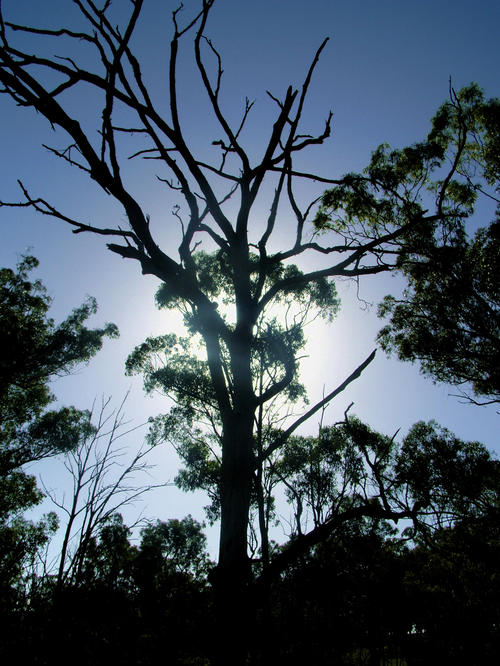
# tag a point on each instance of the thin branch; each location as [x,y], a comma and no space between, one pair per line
[282,438]
[43,207]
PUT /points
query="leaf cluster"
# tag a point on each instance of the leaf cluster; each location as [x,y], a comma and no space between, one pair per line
[448,318]
[431,476]
[33,350]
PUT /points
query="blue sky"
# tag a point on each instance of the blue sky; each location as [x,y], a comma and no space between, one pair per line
[384,72]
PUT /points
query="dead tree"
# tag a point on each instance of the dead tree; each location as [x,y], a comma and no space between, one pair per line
[257,275]
[105,478]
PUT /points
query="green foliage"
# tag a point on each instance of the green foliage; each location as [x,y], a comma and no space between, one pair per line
[449,316]
[349,470]
[321,473]
[178,545]
[175,364]
[393,191]
[217,278]
[108,557]
[32,351]
[52,433]
[21,540]
[18,492]
[446,474]
[196,447]
[168,364]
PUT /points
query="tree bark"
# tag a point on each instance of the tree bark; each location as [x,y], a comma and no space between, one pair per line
[234,607]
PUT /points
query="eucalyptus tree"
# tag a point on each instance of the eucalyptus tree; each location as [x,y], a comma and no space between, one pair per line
[448,317]
[33,351]
[175,366]
[364,220]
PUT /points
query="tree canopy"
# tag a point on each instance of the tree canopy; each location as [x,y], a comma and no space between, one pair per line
[449,316]
[33,351]
[229,279]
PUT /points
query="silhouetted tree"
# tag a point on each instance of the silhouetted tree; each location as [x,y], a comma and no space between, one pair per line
[376,214]
[179,544]
[448,317]
[105,478]
[450,587]
[33,350]
[343,602]
[430,479]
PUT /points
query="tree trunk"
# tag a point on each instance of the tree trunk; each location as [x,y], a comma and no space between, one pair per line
[234,606]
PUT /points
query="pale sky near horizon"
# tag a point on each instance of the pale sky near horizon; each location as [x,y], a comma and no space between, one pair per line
[384,72]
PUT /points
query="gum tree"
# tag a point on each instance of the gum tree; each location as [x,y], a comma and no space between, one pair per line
[33,351]
[365,218]
[448,318]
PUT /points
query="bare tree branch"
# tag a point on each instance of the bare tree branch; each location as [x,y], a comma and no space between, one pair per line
[319,405]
